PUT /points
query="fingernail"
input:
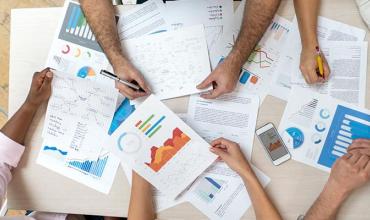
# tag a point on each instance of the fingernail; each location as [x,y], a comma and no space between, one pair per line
[49,74]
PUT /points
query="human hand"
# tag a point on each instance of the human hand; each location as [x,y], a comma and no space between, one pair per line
[232,155]
[130,73]
[361,146]
[40,90]
[349,173]
[224,78]
[308,66]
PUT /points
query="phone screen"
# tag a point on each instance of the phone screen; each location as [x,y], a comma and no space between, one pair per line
[273,143]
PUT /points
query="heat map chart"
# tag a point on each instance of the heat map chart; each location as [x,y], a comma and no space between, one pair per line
[161,155]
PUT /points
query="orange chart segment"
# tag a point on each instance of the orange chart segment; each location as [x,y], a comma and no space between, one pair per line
[160,156]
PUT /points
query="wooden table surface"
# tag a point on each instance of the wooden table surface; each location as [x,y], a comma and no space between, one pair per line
[293,188]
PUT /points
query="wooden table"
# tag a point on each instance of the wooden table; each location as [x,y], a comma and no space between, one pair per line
[293,188]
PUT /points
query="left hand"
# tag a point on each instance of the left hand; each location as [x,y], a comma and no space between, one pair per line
[224,78]
[40,90]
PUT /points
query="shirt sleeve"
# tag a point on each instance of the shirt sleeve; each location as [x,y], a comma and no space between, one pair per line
[10,154]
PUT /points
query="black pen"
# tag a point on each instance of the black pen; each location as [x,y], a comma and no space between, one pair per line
[127,83]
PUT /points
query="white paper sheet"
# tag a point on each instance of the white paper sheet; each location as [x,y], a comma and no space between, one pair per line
[173,62]
[162,202]
[75,49]
[288,66]
[348,66]
[161,148]
[318,129]
[260,68]
[232,116]
[144,19]
[78,110]
[215,15]
[97,174]
[219,192]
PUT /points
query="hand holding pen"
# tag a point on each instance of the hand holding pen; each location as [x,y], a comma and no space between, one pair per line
[313,65]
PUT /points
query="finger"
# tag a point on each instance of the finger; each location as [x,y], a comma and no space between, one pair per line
[142,83]
[221,141]
[354,158]
[128,92]
[48,77]
[362,162]
[312,75]
[326,70]
[362,141]
[213,93]
[206,83]
[360,144]
[361,151]
[219,152]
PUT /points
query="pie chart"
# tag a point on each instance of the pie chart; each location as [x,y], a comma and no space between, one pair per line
[293,137]
[86,71]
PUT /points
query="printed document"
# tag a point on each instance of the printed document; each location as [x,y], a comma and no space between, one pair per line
[215,15]
[173,62]
[288,72]
[161,147]
[318,129]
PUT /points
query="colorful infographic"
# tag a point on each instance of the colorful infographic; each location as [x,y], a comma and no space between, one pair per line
[319,129]
[161,148]
[161,155]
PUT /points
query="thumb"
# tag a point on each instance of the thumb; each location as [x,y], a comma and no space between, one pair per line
[206,83]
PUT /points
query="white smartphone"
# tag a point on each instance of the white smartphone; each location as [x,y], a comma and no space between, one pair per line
[273,144]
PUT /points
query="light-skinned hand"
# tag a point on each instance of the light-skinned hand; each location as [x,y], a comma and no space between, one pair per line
[361,146]
[309,68]
[129,73]
[224,79]
[40,90]
[349,172]
[231,154]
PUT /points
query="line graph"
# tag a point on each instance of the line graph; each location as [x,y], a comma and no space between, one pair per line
[260,57]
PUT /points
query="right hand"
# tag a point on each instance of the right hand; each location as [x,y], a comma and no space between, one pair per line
[232,155]
[349,172]
[361,146]
[308,66]
[130,73]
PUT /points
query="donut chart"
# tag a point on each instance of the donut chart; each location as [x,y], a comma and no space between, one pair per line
[66,49]
[129,142]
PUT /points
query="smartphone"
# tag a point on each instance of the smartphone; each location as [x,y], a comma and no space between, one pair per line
[273,144]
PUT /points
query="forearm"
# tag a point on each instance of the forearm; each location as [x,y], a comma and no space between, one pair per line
[100,15]
[263,207]
[327,204]
[16,128]
[257,17]
[307,12]
[141,200]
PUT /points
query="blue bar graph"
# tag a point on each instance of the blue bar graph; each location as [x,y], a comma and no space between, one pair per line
[95,168]
[348,125]
[155,125]
[75,28]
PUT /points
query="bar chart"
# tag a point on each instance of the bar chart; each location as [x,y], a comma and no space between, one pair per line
[208,188]
[95,168]
[348,125]
[75,28]
[148,127]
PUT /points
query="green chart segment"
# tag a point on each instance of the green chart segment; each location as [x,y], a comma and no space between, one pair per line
[75,28]
[150,126]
